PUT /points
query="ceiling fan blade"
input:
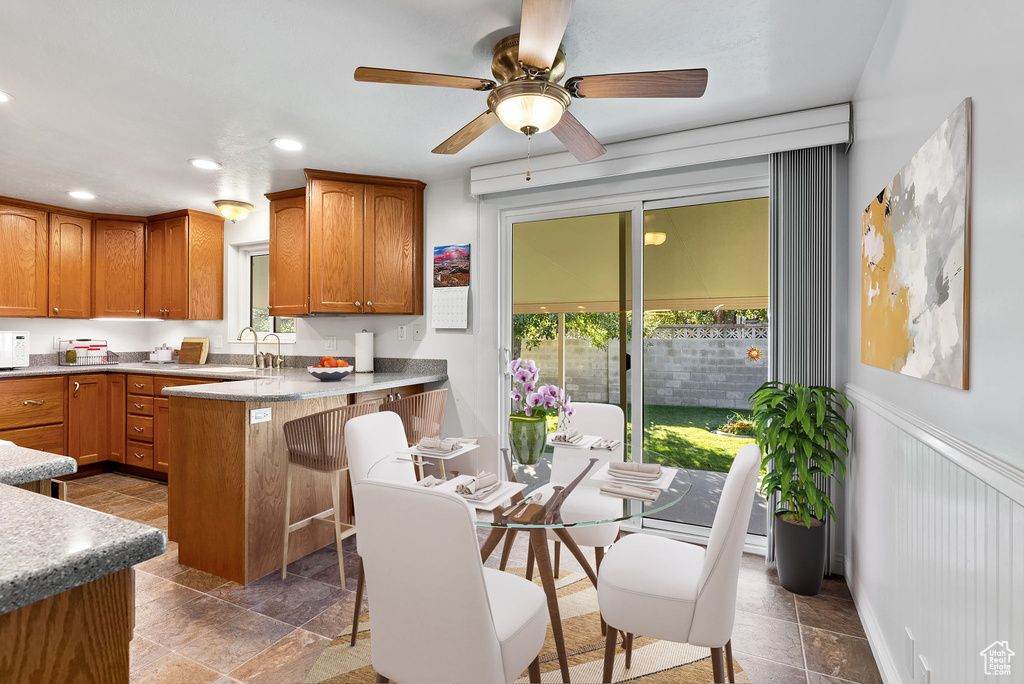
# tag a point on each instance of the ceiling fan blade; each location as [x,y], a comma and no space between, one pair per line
[541,31]
[679,83]
[373,75]
[467,134]
[577,139]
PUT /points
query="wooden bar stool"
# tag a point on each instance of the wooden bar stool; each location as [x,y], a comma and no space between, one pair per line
[317,442]
[422,414]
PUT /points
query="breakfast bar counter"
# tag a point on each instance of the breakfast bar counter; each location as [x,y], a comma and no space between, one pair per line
[227,476]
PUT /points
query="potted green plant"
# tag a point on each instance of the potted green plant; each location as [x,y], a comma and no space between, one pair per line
[527,426]
[802,432]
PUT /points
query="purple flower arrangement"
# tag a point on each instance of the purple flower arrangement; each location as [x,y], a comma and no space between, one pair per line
[530,398]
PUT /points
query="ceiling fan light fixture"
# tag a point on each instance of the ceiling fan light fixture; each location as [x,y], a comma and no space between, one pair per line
[655,239]
[529,106]
[233,210]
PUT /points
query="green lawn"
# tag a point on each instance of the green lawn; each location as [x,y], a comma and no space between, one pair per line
[678,436]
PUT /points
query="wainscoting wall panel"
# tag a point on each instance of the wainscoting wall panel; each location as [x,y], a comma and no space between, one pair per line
[936,547]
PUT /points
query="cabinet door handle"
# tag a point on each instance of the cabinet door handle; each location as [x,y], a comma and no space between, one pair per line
[54,309]
[76,390]
[138,406]
[398,395]
[137,312]
[369,303]
[37,402]
[138,456]
[138,429]
[359,304]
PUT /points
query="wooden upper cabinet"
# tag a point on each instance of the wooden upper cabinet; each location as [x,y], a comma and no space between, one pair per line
[365,244]
[23,261]
[70,266]
[119,268]
[393,250]
[289,254]
[335,246]
[185,266]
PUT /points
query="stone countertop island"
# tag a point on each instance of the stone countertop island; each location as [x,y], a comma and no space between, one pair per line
[227,474]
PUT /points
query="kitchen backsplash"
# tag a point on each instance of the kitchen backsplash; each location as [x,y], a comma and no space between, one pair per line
[380,364]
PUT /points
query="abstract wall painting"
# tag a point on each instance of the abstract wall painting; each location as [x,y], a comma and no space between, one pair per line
[914,262]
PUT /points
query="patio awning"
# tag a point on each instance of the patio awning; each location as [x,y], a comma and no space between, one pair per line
[713,254]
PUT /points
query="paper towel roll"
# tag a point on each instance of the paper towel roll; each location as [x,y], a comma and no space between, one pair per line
[364,352]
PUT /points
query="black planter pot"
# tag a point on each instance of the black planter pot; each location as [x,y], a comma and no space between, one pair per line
[800,556]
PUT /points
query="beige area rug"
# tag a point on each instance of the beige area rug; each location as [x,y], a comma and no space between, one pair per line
[653,660]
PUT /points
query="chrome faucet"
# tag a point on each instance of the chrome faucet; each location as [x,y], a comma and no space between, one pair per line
[273,361]
[255,345]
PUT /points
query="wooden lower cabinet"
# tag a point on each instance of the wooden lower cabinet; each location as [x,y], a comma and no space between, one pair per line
[161,435]
[44,438]
[87,418]
[116,395]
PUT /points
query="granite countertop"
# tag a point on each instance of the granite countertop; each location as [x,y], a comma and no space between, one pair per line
[293,385]
[49,546]
[19,465]
[254,384]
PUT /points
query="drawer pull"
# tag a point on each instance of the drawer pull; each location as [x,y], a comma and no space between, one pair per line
[138,405]
[39,402]
[76,390]
[138,429]
[138,384]
[138,456]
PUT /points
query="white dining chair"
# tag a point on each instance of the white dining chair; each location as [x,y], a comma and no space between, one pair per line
[681,592]
[438,614]
[368,439]
[586,502]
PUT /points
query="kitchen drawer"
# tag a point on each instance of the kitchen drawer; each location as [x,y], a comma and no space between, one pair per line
[46,438]
[140,384]
[25,402]
[161,382]
[140,405]
[139,455]
[140,428]
[383,395]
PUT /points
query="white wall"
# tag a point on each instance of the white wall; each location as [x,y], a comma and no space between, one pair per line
[934,503]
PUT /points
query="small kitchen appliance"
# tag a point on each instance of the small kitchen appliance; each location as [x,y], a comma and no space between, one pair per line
[13,348]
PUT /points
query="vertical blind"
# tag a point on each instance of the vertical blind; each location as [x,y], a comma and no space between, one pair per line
[801,304]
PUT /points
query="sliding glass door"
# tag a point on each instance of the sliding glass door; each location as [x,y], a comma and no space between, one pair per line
[706,278]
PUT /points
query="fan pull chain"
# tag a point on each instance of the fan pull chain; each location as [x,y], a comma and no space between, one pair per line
[529,146]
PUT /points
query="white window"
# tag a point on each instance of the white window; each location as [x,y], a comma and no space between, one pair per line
[254,296]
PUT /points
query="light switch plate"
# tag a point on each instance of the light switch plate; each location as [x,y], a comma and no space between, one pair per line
[218,341]
[331,343]
[56,342]
[417,331]
[402,333]
[260,415]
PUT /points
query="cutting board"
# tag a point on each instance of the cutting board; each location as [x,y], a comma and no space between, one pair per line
[190,352]
[205,341]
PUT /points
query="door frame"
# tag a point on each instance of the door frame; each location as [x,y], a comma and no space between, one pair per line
[745,186]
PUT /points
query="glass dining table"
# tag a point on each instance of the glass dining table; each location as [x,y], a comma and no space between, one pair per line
[543,505]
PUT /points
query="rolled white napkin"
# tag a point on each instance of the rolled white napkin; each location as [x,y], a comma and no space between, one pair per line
[568,437]
[443,446]
[477,484]
[634,470]
[429,481]
[606,444]
[630,492]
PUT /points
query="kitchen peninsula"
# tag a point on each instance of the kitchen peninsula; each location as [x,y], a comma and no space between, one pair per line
[226,486]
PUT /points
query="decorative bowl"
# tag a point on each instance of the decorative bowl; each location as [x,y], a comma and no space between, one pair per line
[329,374]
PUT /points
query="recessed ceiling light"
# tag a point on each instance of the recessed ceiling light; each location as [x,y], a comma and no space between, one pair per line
[6,97]
[287,144]
[205,164]
[81,194]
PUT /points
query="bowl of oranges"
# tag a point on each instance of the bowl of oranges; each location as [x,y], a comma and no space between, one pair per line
[330,369]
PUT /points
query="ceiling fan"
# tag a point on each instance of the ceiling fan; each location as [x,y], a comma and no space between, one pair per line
[528,98]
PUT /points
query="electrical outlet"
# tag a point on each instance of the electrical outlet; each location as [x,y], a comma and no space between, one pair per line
[218,342]
[908,647]
[261,415]
[417,331]
[924,673]
[402,337]
[331,343]
[56,342]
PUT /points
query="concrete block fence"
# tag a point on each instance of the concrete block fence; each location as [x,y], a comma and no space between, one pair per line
[685,366]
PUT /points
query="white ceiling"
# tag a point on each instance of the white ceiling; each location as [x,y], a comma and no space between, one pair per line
[115,95]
